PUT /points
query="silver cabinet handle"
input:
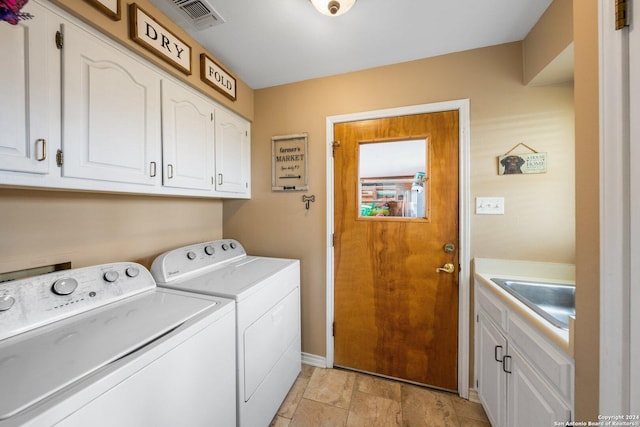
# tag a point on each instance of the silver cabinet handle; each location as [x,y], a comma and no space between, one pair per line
[42,154]
[504,364]
[219,179]
[152,169]
[495,353]
[170,170]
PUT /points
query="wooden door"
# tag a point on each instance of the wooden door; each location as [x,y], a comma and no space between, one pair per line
[394,314]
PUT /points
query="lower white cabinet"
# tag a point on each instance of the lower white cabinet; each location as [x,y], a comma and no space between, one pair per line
[521,378]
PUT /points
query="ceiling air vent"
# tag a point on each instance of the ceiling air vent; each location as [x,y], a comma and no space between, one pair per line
[196,13]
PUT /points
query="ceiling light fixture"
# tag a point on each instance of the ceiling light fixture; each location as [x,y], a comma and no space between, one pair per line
[333,7]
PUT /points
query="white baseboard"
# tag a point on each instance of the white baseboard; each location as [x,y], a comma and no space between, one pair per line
[313,360]
[473,395]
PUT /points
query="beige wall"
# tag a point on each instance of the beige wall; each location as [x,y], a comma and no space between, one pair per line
[119,31]
[45,227]
[587,210]
[551,35]
[539,220]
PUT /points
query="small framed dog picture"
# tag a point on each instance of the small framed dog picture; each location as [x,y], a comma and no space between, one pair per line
[516,164]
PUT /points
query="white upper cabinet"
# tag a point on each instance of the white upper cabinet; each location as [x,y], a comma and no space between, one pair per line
[29,78]
[187,138]
[111,113]
[79,111]
[233,158]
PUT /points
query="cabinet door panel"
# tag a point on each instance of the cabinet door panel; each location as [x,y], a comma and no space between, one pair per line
[187,138]
[232,153]
[532,402]
[111,106]
[492,382]
[30,58]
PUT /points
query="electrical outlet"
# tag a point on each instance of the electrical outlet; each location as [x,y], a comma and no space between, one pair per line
[489,205]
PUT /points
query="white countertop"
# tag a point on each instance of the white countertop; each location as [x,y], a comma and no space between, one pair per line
[485,269]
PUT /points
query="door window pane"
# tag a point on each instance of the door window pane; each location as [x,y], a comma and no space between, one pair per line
[393,179]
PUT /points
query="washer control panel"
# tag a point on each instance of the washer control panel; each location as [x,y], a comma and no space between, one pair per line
[184,261]
[28,303]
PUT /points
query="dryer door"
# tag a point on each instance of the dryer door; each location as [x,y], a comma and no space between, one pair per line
[268,338]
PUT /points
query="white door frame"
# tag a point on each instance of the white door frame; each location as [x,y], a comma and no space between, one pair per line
[619,223]
[462,106]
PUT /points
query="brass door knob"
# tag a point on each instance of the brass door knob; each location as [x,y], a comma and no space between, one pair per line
[447,268]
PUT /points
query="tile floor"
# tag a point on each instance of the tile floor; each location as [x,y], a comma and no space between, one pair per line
[334,398]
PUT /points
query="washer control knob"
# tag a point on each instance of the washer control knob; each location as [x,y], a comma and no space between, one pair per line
[64,286]
[6,302]
[111,276]
[225,247]
[233,245]
[132,271]
[209,250]
[191,255]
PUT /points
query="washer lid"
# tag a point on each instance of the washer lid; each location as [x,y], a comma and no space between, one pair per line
[36,364]
[237,279]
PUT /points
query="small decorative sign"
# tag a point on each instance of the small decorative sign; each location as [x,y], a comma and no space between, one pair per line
[111,8]
[513,164]
[289,163]
[148,33]
[217,77]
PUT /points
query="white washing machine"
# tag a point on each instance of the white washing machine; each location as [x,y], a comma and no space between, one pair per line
[103,346]
[267,295]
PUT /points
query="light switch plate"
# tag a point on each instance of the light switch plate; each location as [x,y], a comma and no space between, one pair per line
[489,205]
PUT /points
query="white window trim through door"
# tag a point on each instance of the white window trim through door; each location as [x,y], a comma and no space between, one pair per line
[619,213]
[462,106]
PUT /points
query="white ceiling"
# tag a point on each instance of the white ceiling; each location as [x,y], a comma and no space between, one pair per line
[272,42]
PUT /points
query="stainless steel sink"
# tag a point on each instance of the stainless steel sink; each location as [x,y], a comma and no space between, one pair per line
[553,301]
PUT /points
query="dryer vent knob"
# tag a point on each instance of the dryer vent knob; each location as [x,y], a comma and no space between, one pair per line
[64,286]
[111,276]
[132,271]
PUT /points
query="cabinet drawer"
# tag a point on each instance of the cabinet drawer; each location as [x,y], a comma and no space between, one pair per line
[493,308]
[555,366]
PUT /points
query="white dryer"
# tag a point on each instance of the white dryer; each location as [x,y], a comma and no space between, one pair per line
[103,346]
[267,295]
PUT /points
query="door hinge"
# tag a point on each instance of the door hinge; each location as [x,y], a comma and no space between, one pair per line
[477,385]
[477,318]
[211,116]
[622,13]
[333,240]
[333,329]
[59,158]
[59,39]
[334,145]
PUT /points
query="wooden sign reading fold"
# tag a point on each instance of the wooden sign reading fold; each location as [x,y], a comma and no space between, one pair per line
[217,77]
[150,34]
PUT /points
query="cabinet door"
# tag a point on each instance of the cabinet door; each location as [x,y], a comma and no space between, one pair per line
[111,112]
[532,402]
[187,138]
[233,158]
[29,98]
[491,380]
